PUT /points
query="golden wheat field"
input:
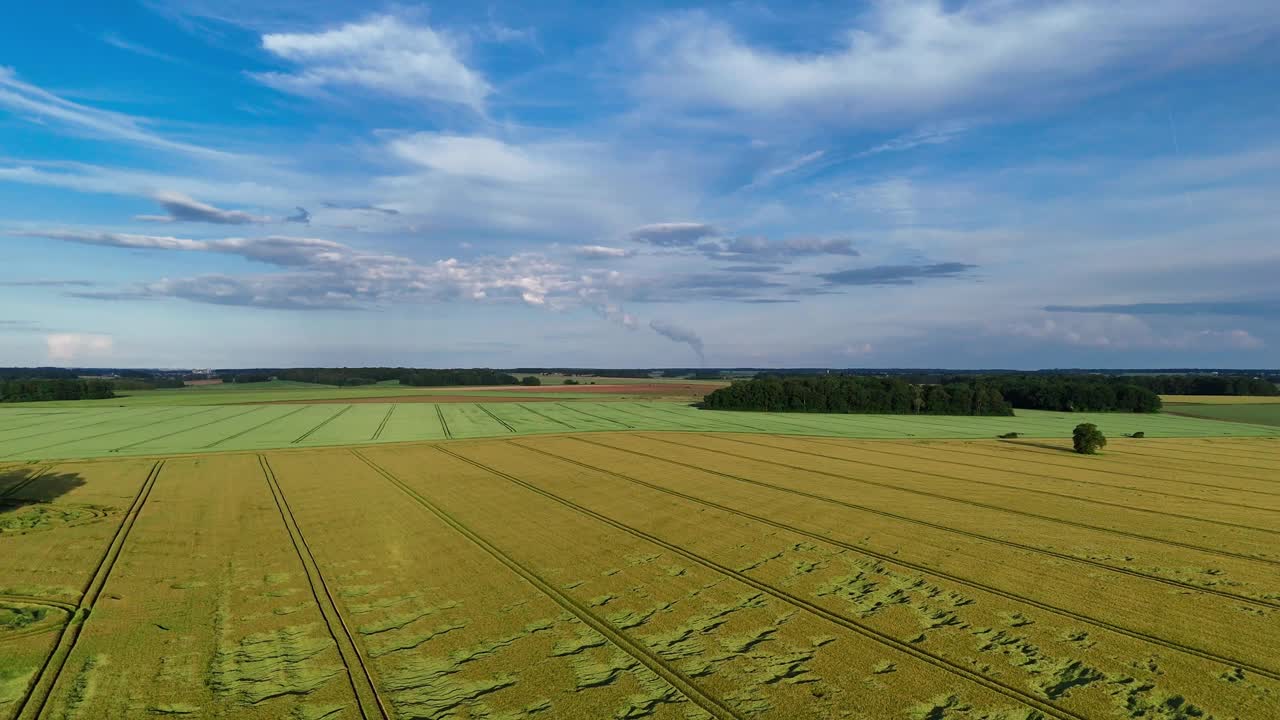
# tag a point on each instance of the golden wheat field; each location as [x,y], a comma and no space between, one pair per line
[648,574]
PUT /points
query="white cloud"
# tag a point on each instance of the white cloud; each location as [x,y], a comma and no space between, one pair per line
[65,347]
[183,208]
[917,57]
[1126,332]
[26,99]
[382,54]
[475,157]
[601,252]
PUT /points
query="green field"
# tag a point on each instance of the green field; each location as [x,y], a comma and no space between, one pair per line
[31,432]
[1256,413]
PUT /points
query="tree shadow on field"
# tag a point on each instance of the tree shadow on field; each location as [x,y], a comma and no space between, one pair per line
[23,487]
[1044,445]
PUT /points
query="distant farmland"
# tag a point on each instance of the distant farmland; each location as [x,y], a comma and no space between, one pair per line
[640,574]
[31,432]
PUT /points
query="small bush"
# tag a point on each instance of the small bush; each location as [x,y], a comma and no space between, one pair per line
[1008,436]
[570,381]
[1087,439]
[531,380]
[1138,434]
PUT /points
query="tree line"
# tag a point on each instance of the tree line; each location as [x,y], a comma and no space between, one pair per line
[445,378]
[1075,393]
[36,390]
[1205,384]
[854,394]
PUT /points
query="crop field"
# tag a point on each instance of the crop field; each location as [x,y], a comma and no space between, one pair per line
[635,573]
[1254,412]
[39,433]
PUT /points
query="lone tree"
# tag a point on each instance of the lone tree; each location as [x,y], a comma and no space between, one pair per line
[531,380]
[1087,439]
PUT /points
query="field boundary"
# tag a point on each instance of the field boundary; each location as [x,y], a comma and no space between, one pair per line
[893,560]
[985,506]
[328,606]
[46,678]
[795,601]
[659,667]
[944,528]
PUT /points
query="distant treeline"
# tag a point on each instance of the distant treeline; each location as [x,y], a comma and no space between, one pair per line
[1205,384]
[852,394]
[32,390]
[597,372]
[445,378]
[1075,393]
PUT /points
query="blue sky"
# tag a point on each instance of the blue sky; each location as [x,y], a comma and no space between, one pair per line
[991,183]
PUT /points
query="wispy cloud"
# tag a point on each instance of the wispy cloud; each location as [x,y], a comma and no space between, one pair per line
[182,208]
[27,99]
[673,234]
[917,58]
[601,252]
[896,274]
[768,175]
[381,54]
[1238,308]
[120,43]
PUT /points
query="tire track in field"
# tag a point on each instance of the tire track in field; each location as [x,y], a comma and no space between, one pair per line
[641,654]
[26,422]
[500,421]
[1172,453]
[128,429]
[526,408]
[385,419]
[362,684]
[799,603]
[448,434]
[113,418]
[185,429]
[944,528]
[17,487]
[215,443]
[1193,458]
[324,422]
[970,451]
[1110,456]
[985,506]
[894,560]
[597,417]
[46,678]
[1026,474]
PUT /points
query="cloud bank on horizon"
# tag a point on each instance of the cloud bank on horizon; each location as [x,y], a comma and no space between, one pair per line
[987,183]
